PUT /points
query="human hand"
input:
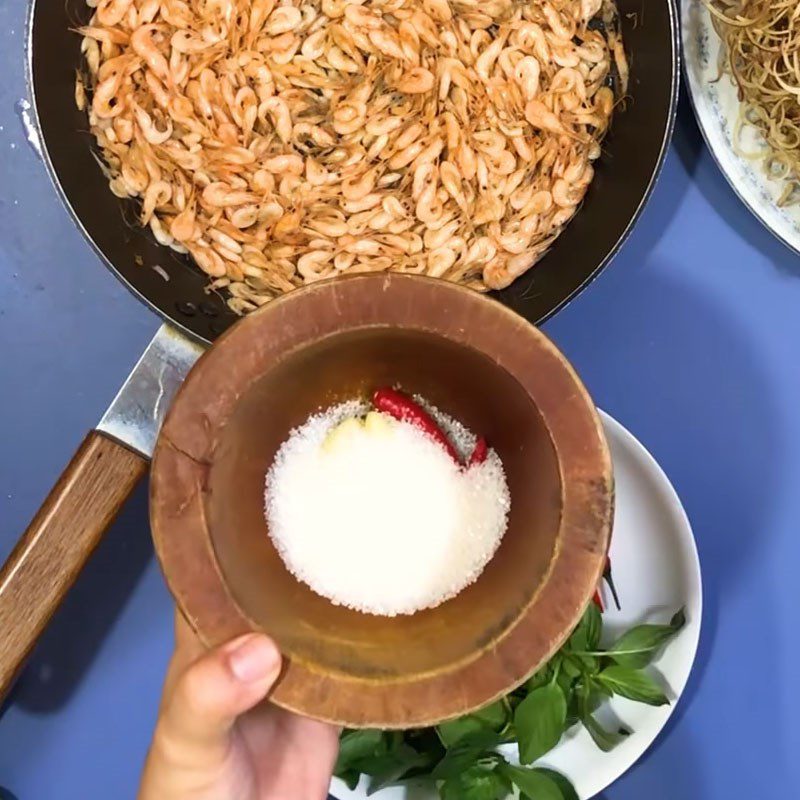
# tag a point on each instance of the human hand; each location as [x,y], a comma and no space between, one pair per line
[216,740]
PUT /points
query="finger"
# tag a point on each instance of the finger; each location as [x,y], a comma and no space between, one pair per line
[187,643]
[188,648]
[209,694]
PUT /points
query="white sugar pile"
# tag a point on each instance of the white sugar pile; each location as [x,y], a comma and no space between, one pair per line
[378,517]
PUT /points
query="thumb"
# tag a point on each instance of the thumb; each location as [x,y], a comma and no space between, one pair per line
[207,697]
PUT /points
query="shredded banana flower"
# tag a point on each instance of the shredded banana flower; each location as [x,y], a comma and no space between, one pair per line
[280,144]
[761,53]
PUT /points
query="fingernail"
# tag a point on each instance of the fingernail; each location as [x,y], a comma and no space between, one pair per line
[253,658]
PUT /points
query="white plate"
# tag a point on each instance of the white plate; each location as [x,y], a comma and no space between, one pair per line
[716,107]
[656,571]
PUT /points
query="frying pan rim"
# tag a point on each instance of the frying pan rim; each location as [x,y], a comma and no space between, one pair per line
[672,111]
[62,195]
[672,114]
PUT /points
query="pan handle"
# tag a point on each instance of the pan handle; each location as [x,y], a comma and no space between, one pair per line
[58,542]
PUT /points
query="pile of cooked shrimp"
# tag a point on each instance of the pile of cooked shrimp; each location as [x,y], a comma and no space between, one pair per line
[281,143]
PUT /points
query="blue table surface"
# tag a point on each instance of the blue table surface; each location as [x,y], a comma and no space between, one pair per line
[690,338]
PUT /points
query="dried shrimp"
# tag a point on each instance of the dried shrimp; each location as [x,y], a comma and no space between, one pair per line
[281,143]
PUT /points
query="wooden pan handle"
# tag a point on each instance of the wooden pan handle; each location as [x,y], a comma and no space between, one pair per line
[63,534]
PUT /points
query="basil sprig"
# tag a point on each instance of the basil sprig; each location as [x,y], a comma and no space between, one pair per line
[460,756]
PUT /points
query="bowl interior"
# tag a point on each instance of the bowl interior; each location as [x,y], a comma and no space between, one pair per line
[459,380]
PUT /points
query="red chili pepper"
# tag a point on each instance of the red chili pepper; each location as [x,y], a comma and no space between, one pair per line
[479,452]
[610,581]
[403,408]
[598,600]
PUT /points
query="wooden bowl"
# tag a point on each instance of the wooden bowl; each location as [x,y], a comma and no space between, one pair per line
[474,359]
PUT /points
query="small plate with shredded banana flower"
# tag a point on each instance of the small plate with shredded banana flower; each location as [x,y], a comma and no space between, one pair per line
[742,62]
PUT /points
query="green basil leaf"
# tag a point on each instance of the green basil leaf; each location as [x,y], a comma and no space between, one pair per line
[599,692]
[426,740]
[460,759]
[594,627]
[563,782]
[570,668]
[637,647]
[484,739]
[572,719]
[606,740]
[586,635]
[539,720]
[633,684]
[359,746]
[583,663]
[401,758]
[535,784]
[539,678]
[495,715]
[394,766]
[457,731]
[476,783]
[586,702]
[566,683]
[351,777]
[481,729]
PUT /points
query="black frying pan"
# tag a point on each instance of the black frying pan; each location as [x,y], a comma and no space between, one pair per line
[626,172]
[70,523]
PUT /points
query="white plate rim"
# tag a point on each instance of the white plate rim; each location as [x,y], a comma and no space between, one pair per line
[615,764]
[706,122]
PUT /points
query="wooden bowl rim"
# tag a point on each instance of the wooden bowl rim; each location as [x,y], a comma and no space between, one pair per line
[202,405]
